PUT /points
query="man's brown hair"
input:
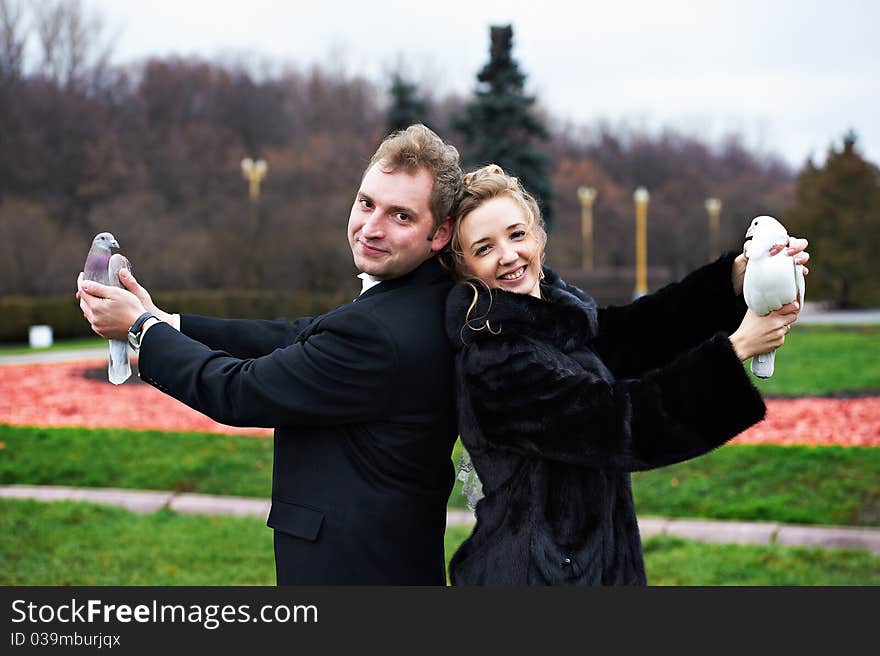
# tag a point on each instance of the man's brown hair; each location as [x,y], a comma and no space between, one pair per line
[418,147]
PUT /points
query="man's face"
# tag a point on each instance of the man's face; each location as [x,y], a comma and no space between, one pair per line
[391,230]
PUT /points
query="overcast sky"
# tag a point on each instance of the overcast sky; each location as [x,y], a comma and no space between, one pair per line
[790,76]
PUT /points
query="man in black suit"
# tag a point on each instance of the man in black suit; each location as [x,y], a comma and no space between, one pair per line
[361,398]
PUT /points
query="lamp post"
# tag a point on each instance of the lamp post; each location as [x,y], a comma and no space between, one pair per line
[713,207]
[254,172]
[641,196]
[587,195]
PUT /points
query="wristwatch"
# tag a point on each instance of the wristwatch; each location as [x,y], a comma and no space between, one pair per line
[137,329]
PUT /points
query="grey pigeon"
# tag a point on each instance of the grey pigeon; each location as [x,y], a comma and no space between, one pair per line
[104,268]
[770,281]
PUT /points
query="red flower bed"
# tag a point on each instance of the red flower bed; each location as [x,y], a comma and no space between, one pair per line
[811,420]
[60,394]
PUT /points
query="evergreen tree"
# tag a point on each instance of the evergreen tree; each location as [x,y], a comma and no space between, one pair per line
[500,127]
[407,107]
[838,209]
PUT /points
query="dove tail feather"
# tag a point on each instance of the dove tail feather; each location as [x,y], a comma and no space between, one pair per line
[119,368]
[762,364]
[801,284]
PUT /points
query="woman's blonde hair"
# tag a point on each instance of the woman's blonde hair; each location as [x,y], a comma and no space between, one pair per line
[482,185]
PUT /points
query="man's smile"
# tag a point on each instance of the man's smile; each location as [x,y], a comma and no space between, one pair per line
[369,250]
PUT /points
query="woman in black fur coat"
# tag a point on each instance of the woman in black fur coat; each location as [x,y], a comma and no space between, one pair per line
[559,401]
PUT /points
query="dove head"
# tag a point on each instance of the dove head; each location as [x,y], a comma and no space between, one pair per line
[104,241]
[764,232]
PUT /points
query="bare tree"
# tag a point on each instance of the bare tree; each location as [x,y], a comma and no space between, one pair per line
[12,41]
[73,54]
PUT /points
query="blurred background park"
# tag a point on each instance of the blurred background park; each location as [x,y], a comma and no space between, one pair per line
[222,146]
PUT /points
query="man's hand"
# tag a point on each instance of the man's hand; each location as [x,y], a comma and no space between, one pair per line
[126,277]
[796,247]
[109,310]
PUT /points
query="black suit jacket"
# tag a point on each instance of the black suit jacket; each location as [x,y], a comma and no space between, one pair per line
[361,400]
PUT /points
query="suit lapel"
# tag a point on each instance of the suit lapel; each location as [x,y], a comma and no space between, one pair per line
[425,274]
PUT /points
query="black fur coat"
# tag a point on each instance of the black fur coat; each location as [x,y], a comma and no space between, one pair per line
[559,401]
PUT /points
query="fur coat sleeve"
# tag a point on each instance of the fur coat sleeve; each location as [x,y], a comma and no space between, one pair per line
[655,329]
[531,398]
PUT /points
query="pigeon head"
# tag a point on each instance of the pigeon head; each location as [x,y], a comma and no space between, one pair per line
[767,225]
[764,232]
[104,241]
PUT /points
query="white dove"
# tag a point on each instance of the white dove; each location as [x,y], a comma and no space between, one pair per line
[104,268]
[770,281]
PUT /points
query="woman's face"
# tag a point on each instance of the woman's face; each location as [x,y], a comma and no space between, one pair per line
[499,248]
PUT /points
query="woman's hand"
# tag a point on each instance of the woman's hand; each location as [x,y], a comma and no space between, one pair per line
[796,248]
[757,334]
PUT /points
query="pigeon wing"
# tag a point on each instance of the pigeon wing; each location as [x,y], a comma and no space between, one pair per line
[801,283]
[117,261]
[119,368]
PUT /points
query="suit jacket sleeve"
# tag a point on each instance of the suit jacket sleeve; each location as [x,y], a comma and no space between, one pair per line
[242,338]
[343,372]
[533,400]
[656,328]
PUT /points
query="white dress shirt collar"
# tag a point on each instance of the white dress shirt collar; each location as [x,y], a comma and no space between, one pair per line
[368,281]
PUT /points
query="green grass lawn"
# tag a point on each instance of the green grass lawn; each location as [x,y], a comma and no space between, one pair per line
[821,360]
[791,484]
[760,482]
[153,460]
[814,485]
[67,543]
[83,544]
[61,345]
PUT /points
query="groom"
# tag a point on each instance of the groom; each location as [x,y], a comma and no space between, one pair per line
[361,398]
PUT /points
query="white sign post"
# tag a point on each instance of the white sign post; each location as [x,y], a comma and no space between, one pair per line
[40,336]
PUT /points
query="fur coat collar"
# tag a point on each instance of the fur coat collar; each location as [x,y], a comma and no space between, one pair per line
[564,315]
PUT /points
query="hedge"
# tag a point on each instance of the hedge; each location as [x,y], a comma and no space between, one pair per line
[18,313]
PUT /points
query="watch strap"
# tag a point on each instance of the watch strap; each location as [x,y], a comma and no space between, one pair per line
[139,323]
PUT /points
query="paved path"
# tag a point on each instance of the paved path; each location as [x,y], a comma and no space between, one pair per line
[72,355]
[812,314]
[141,501]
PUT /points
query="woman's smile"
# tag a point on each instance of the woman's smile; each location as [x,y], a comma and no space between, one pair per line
[516,274]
